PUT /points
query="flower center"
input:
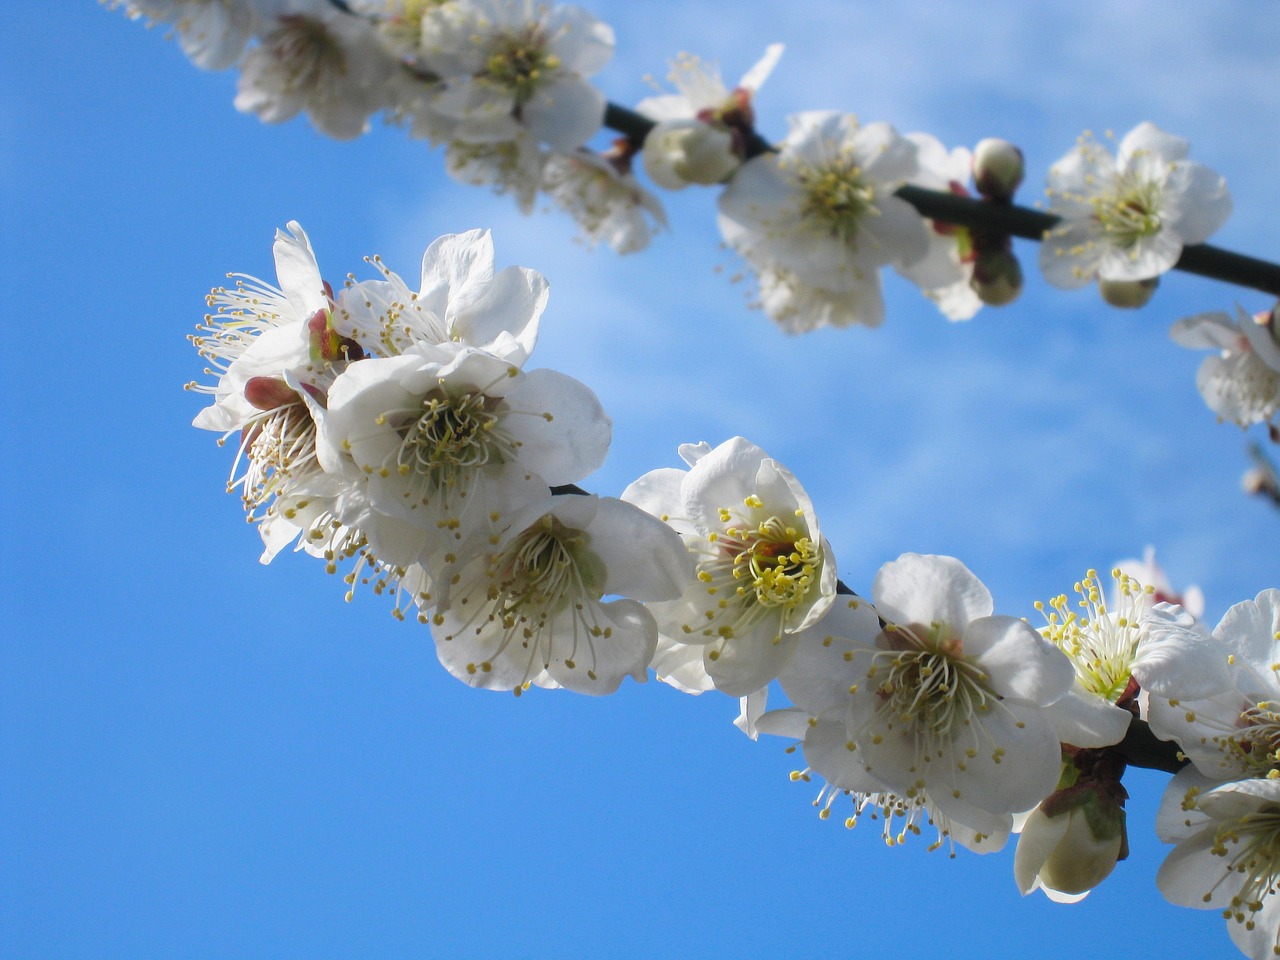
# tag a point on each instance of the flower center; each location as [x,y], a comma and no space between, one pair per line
[1257,742]
[1101,645]
[278,446]
[1129,211]
[534,599]
[520,63]
[775,563]
[926,686]
[307,53]
[836,199]
[451,437]
[544,568]
[756,569]
[1250,847]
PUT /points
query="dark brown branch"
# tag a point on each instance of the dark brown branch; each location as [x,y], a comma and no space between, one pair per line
[1201,259]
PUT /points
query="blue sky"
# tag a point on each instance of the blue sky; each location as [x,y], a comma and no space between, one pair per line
[204,757]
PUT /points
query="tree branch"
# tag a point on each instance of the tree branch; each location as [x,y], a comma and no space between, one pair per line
[1000,218]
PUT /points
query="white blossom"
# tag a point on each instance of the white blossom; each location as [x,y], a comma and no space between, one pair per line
[1114,649]
[818,679]
[510,65]
[1241,383]
[764,571]
[1128,217]
[449,441]
[820,215]
[944,698]
[460,298]
[212,33]
[700,132]
[313,57]
[608,204]
[1227,858]
[530,608]
[275,351]
[1220,699]
[945,271]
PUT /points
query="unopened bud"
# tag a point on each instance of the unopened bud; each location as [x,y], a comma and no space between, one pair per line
[1129,294]
[1255,481]
[680,152]
[997,276]
[268,393]
[998,168]
[1073,851]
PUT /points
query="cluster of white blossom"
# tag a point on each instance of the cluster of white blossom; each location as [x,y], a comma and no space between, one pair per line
[396,432]
[924,708]
[399,430]
[1223,810]
[504,86]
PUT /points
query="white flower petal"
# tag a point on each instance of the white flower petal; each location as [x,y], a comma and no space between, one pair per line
[1019,662]
[1085,719]
[921,588]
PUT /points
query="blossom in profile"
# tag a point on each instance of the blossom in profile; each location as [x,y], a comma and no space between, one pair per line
[313,57]
[1227,858]
[275,353]
[945,272]
[702,129]
[1222,708]
[1118,646]
[530,608]
[1127,217]
[602,196]
[1240,382]
[763,570]
[820,215]
[461,297]
[507,166]
[212,33]
[508,66]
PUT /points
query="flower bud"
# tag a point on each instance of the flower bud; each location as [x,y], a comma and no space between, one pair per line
[998,168]
[1129,294]
[1255,482]
[997,276]
[680,152]
[1070,853]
